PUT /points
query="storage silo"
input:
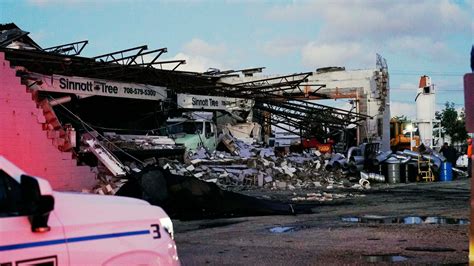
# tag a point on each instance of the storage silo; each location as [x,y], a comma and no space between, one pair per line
[425,110]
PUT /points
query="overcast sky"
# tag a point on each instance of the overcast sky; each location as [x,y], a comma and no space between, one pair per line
[416,37]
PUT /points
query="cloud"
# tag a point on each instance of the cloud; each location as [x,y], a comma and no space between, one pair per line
[315,54]
[199,56]
[195,63]
[353,31]
[199,47]
[366,19]
[398,108]
[281,47]
[421,47]
[402,108]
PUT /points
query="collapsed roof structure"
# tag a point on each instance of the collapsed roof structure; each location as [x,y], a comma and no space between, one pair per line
[141,65]
[57,95]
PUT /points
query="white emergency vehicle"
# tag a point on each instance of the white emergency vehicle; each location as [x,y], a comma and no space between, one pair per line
[39,226]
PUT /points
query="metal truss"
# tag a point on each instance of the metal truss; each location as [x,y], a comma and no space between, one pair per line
[120,56]
[129,65]
[74,48]
[311,119]
[284,99]
[280,96]
[268,85]
[214,72]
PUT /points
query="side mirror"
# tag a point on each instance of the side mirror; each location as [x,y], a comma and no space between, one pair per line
[37,206]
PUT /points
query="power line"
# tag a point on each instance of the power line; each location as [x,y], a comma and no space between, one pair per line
[426,72]
[414,89]
[438,103]
[86,126]
[417,74]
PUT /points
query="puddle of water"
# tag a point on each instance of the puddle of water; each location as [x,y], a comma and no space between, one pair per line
[404,220]
[385,258]
[282,229]
[350,219]
[289,228]
[430,249]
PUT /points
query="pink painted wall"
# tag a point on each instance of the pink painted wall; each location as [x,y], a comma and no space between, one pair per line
[23,141]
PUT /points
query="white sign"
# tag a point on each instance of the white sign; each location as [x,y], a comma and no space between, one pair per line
[189,101]
[99,87]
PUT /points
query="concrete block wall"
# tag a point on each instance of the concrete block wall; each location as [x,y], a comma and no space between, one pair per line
[24,142]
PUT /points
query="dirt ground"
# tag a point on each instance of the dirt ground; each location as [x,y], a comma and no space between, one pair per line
[323,238]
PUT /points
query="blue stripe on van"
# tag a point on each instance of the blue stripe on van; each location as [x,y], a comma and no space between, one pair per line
[72,240]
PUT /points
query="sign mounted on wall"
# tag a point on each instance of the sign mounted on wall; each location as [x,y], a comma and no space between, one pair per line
[97,87]
[189,101]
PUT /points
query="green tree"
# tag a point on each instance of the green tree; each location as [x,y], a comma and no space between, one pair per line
[452,122]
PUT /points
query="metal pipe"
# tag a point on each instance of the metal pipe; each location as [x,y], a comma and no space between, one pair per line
[364,183]
[341,163]
[381,157]
[357,159]
[355,168]
[372,176]
[403,159]
[330,164]
[350,151]
[440,156]
[435,161]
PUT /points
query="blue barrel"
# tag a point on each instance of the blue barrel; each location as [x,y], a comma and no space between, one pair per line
[446,172]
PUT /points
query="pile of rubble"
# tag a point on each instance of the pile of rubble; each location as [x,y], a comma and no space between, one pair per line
[106,184]
[138,142]
[245,166]
[238,165]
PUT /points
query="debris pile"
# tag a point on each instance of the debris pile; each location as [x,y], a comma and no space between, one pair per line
[321,196]
[245,166]
[108,185]
[138,142]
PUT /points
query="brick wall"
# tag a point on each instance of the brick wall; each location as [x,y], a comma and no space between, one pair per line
[24,142]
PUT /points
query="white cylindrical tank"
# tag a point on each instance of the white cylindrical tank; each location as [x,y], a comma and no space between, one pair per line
[425,109]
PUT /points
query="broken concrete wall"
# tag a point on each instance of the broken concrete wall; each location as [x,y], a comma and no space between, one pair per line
[24,142]
[374,98]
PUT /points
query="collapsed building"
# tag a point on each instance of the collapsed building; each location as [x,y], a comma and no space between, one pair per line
[367,89]
[71,118]
[53,100]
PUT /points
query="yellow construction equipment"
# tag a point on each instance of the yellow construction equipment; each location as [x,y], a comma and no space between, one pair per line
[398,140]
